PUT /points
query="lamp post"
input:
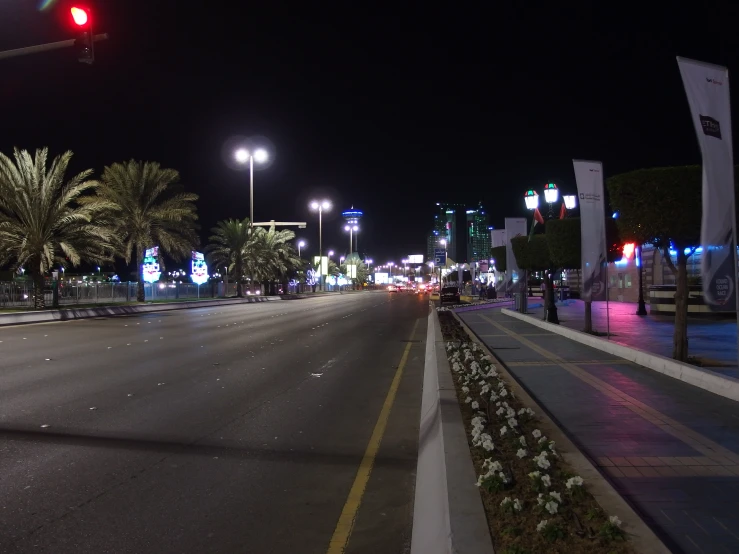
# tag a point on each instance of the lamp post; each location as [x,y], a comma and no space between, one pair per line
[301,244]
[390,265]
[319,207]
[242,155]
[352,229]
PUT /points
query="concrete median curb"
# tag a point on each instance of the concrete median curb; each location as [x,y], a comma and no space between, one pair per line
[66,314]
[641,536]
[728,387]
[448,515]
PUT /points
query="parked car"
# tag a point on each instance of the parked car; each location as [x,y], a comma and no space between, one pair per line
[449,295]
[392,288]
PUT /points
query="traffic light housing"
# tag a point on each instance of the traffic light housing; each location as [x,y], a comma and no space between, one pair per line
[84,43]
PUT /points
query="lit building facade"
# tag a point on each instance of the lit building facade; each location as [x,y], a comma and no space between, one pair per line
[444,227]
[478,234]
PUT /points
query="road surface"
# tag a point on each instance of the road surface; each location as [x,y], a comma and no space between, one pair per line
[230,429]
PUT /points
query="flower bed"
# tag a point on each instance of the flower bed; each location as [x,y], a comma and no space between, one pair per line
[533,502]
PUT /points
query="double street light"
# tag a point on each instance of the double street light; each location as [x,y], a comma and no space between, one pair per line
[319,206]
[242,156]
[301,245]
[352,229]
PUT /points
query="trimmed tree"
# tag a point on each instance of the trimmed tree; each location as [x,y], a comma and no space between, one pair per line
[532,254]
[663,205]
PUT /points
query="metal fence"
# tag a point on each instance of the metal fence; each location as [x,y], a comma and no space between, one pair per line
[20,294]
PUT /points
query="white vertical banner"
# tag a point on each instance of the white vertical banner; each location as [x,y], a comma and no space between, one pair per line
[707,89]
[589,179]
[514,227]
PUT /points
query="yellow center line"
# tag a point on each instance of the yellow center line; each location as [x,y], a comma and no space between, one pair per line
[345,525]
[683,433]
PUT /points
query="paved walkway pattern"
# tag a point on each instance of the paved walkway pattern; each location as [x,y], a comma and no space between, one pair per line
[671,449]
[712,339]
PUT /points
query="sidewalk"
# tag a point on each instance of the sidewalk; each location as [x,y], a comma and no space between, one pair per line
[671,450]
[714,341]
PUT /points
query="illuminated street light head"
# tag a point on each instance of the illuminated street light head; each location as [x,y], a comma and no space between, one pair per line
[330,253]
[570,201]
[301,243]
[442,242]
[326,205]
[346,227]
[314,205]
[355,228]
[260,155]
[241,155]
[551,193]
[532,199]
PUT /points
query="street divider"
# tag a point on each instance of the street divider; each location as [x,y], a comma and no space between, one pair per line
[723,385]
[448,516]
[65,314]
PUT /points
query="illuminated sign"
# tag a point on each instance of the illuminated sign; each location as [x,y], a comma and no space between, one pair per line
[151,265]
[199,273]
[381,278]
[415,259]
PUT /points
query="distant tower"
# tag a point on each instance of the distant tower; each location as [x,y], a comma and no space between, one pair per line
[352,217]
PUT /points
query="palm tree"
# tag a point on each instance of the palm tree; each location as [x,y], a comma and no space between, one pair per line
[46,222]
[151,209]
[231,243]
[278,255]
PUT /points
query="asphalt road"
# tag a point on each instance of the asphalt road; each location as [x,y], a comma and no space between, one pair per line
[231,429]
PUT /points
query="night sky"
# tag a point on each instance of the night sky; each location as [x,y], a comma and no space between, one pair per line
[388,109]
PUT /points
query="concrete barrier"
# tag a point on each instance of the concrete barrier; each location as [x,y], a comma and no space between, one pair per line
[448,516]
[65,314]
[725,386]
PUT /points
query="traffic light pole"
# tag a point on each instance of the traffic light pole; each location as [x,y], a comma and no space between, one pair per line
[45,47]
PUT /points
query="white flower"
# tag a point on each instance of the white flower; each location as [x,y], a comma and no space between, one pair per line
[502,477]
[530,411]
[576,481]
[478,421]
[485,389]
[551,445]
[493,397]
[541,461]
[534,474]
[505,501]
[521,453]
[536,433]
[543,439]
[467,400]
[517,505]
[541,500]
[503,431]
[546,480]
[474,405]
[615,521]
[551,507]
[510,412]
[465,390]
[456,367]
[503,393]
[541,525]
[499,411]
[522,411]
[474,366]
[488,445]
[512,422]
[555,495]
[522,440]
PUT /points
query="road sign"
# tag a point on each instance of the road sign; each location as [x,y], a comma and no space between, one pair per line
[440,256]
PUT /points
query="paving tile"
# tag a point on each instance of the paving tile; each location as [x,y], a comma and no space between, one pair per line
[648,471]
[720,471]
[654,461]
[670,461]
[605,462]
[636,461]
[620,461]
[666,471]
[629,471]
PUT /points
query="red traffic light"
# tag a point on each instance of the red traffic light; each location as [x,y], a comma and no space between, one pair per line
[80,16]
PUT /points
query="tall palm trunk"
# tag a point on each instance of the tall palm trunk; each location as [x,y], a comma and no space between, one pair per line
[39,302]
[140,292]
[238,270]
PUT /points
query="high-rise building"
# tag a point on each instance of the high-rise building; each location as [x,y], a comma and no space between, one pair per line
[352,217]
[444,227]
[478,234]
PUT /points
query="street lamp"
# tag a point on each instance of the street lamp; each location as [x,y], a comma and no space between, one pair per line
[242,155]
[301,244]
[352,229]
[551,194]
[532,200]
[315,205]
[330,253]
[368,262]
[570,201]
